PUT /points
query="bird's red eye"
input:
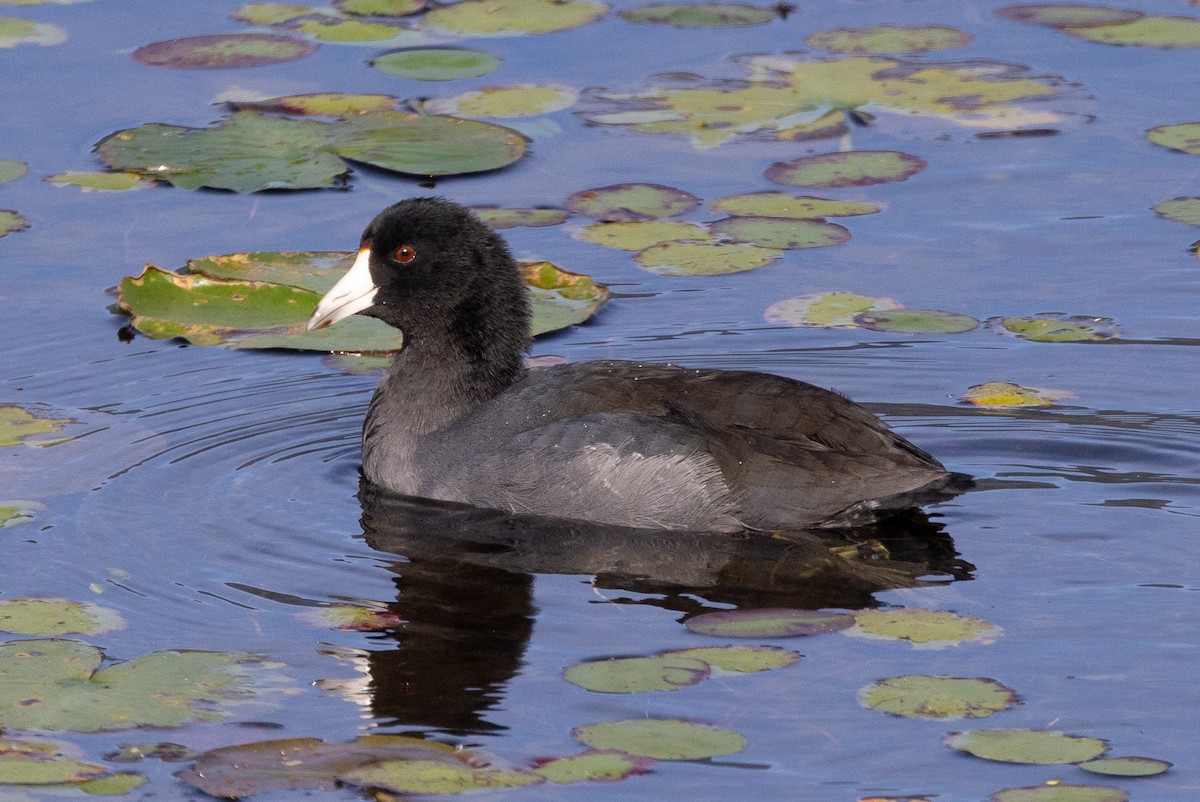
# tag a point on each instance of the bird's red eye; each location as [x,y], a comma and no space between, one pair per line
[405,254]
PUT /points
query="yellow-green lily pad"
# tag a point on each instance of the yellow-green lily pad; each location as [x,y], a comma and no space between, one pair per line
[433,777]
[1008,394]
[858,168]
[1058,328]
[56,617]
[637,674]
[322,104]
[699,15]
[792,207]
[15,513]
[1126,766]
[11,170]
[636,235]
[826,309]
[16,31]
[779,232]
[273,13]
[538,217]
[356,618]
[436,63]
[767,623]
[1042,747]
[739,659]
[1147,31]
[20,766]
[513,16]
[704,258]
[1181,136]
[1060,792]
[624,202]
[916,321]
[380,8]
[11,221]
[662,739]
[519,100]
[592,766]
[335,30]
[923,628]
[18,425]
[1180,210]
[112,182]
[1057,15]
[884,39]
[939,697]
[112,785]
[224,51]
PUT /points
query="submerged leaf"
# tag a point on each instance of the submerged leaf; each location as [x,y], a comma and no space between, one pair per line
[884,39]
[426,145]
[224,51]
[15,31]
[1043,747]
[916,321]
[767,623]
[1058,328]
[11,221]
[513,16]
[940,697]
[699,15]
[11,170]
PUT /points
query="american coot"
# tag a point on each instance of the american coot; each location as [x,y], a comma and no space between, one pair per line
[459,418]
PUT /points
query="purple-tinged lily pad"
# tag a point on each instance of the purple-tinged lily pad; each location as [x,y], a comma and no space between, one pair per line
[767,623]
[938,697]
[1060,792]
[847,169]
[780,232]
[923,628]
[622,202]
[699,15]
[637,674]
[11,221]
[1040,747]
[1126,766]
[224,51]
[1056,15]
[498,218]
[436,63]
[885,39]
[916,321]
[662,739]
[592,766]
[11,170]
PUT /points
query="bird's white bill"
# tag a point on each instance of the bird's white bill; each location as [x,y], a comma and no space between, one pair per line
[354,292]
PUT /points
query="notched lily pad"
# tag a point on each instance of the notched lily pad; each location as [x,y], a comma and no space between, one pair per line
[15,513]
[592,766]
[18,426]
[624,202]
[513,16]
[938,697]
[11,170]
[847,169]
[1056,15]
[923,628]
[433,777]
[1180,210]
[826,309]
[792,207]
[767,623]
[783,233]
[499,218]
[224,51]
[1058,792]
[662,739]
[1042,747]
[636,235]
[1146,31]
[111,182]
[884,39]
[1126,766]
[56,617]
[1007,394]
[637,674]
[436,63]
[1058,328]
[16,31]
[519,100]
[739,659]
[699,15]
[11,221]
[704,258]
[916,321]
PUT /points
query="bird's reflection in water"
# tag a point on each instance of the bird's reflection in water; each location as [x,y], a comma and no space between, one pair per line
[465,588]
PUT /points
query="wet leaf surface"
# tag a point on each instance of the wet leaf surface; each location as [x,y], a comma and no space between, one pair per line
[767,623]
[18,426]
[593,766]
[433,777]
[777,232]
[1148,31]
[928,628]
[11,221]
[16,31]
[636,235]
[792,207]
[322,104]
[847,169]
[39,763]
[739,659]
[498,218]
[885,39]
[916,321]
[224,51]
[704,258]
[1057,15]
[436,63]
[637,674]
[1180,210]
[937,697]
[826,309]
[1060,793]
[1043,747]
[357,618]
[1007,394]
[661,739]
[11,170]
[1126,766]
[699,15]
[514,16]
[331,30]
[56,617]
[1180,136]
[109,182]
[380,8]
[112,785]
[1058,328]
[628,202]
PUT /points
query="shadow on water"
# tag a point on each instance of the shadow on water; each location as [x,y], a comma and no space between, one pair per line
[465,589]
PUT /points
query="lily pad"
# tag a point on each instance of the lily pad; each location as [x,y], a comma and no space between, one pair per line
[380,8]
[1056,328]
[699,15]
[1056,15]
[778,232]
[433,777]
[357,618]
[112,785]
[939,697]
[662,739]
[739,659]
[1180,210]
[560,298]
[498,218]
[1126,766]
[826,310]
[334,30]
[1007,394]
[593,766]
[473,17]
[436,63]
[114,182]
[637,674]
[925,628]
[1147,31]
[1059,792]
[224,51]
[54,685]
[704,258]
[848,169]
[1181,136]
[624,202]
[272,13]
[767,623]
[916,321]
[1042,747]
[11,221]
[322,104]
[15,513]
[56,617]
[41,763]
[636,235]
[792,207]
[11,170]
[520,100]
[884,39]
[16,31]
[18,425]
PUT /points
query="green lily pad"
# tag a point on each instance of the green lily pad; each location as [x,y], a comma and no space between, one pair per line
[15,31]
[56,617]
[884,39]
[792,207]
[114,182]
[940,697]
[1056,328]
[272,13]
[1126,766]
[304,764]
[847,169]
[15,513]
[473,17]
[18,425]
[1042,747]
[699,15]
[334,30]
[1060,793]
[23,767]
[112,785]
[426,145]
[560,298]
[826,310]
[1181,136]
[1007,394]
[11,170]
[498,218]
[704,258]
[380,8]
[436,63]
[767,623]
[778,232]
[1055,15]
[54,685]
[166,751]
[357,618]
[636,235]
[592,766]
[739,659]
[520,100]
[224,51]
[1180,210]
[916,321]
[433,777]
[926,628]
[625,202]
[662,739]
[1147,31]
[322,104]
[11,221]
[637,674]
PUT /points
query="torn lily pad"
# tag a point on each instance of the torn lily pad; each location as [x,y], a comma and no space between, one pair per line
[475,17]
[699,15]
[109,182]
[937,697]
[56,617]
[767,623]
[1060,792]
[498,218]
[916,321]
[18,425]
[15,31]
[826,309]
[859,168]
[704,258]
[636,235]
[923,628]
[11,170]
[779,232]
[224,51]
[1042,747]
[11,221]
[1008,394]
[792,207]
[625,202]
[1058,328]
[519,100]
[436,63]
[592,766]
[662,739]
[885,39]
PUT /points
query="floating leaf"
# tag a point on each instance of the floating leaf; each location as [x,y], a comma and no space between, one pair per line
[514,217]
[102,181]
[112,785]
[323,104]
[1181,136]
[636,235]
[426,145]
[739,659]
[699,15]
[636,674]
[436,63]
[15,31]
[357,618]
[662,739]
[224,51]
[884,39]
[625,202]
[858,168]
[916,321]
[825,310]
[767,623]
[593,766]
[1058,792]
[1056,328]
[1126,766]
[333,30]
[704,258]
[56,617]
[520,100]
[380,8]
[20,765]
[433,777]
[11,221]
[1147,31]
[923,627]
[15,513]
[11,170]
[560,298]
[1180,210]
[513,16]
[778,232]
[272,13]
[940,697]
[1027,746]
[18,425]
[1007,394]
[792,207]
[1056,15]
[165,751]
